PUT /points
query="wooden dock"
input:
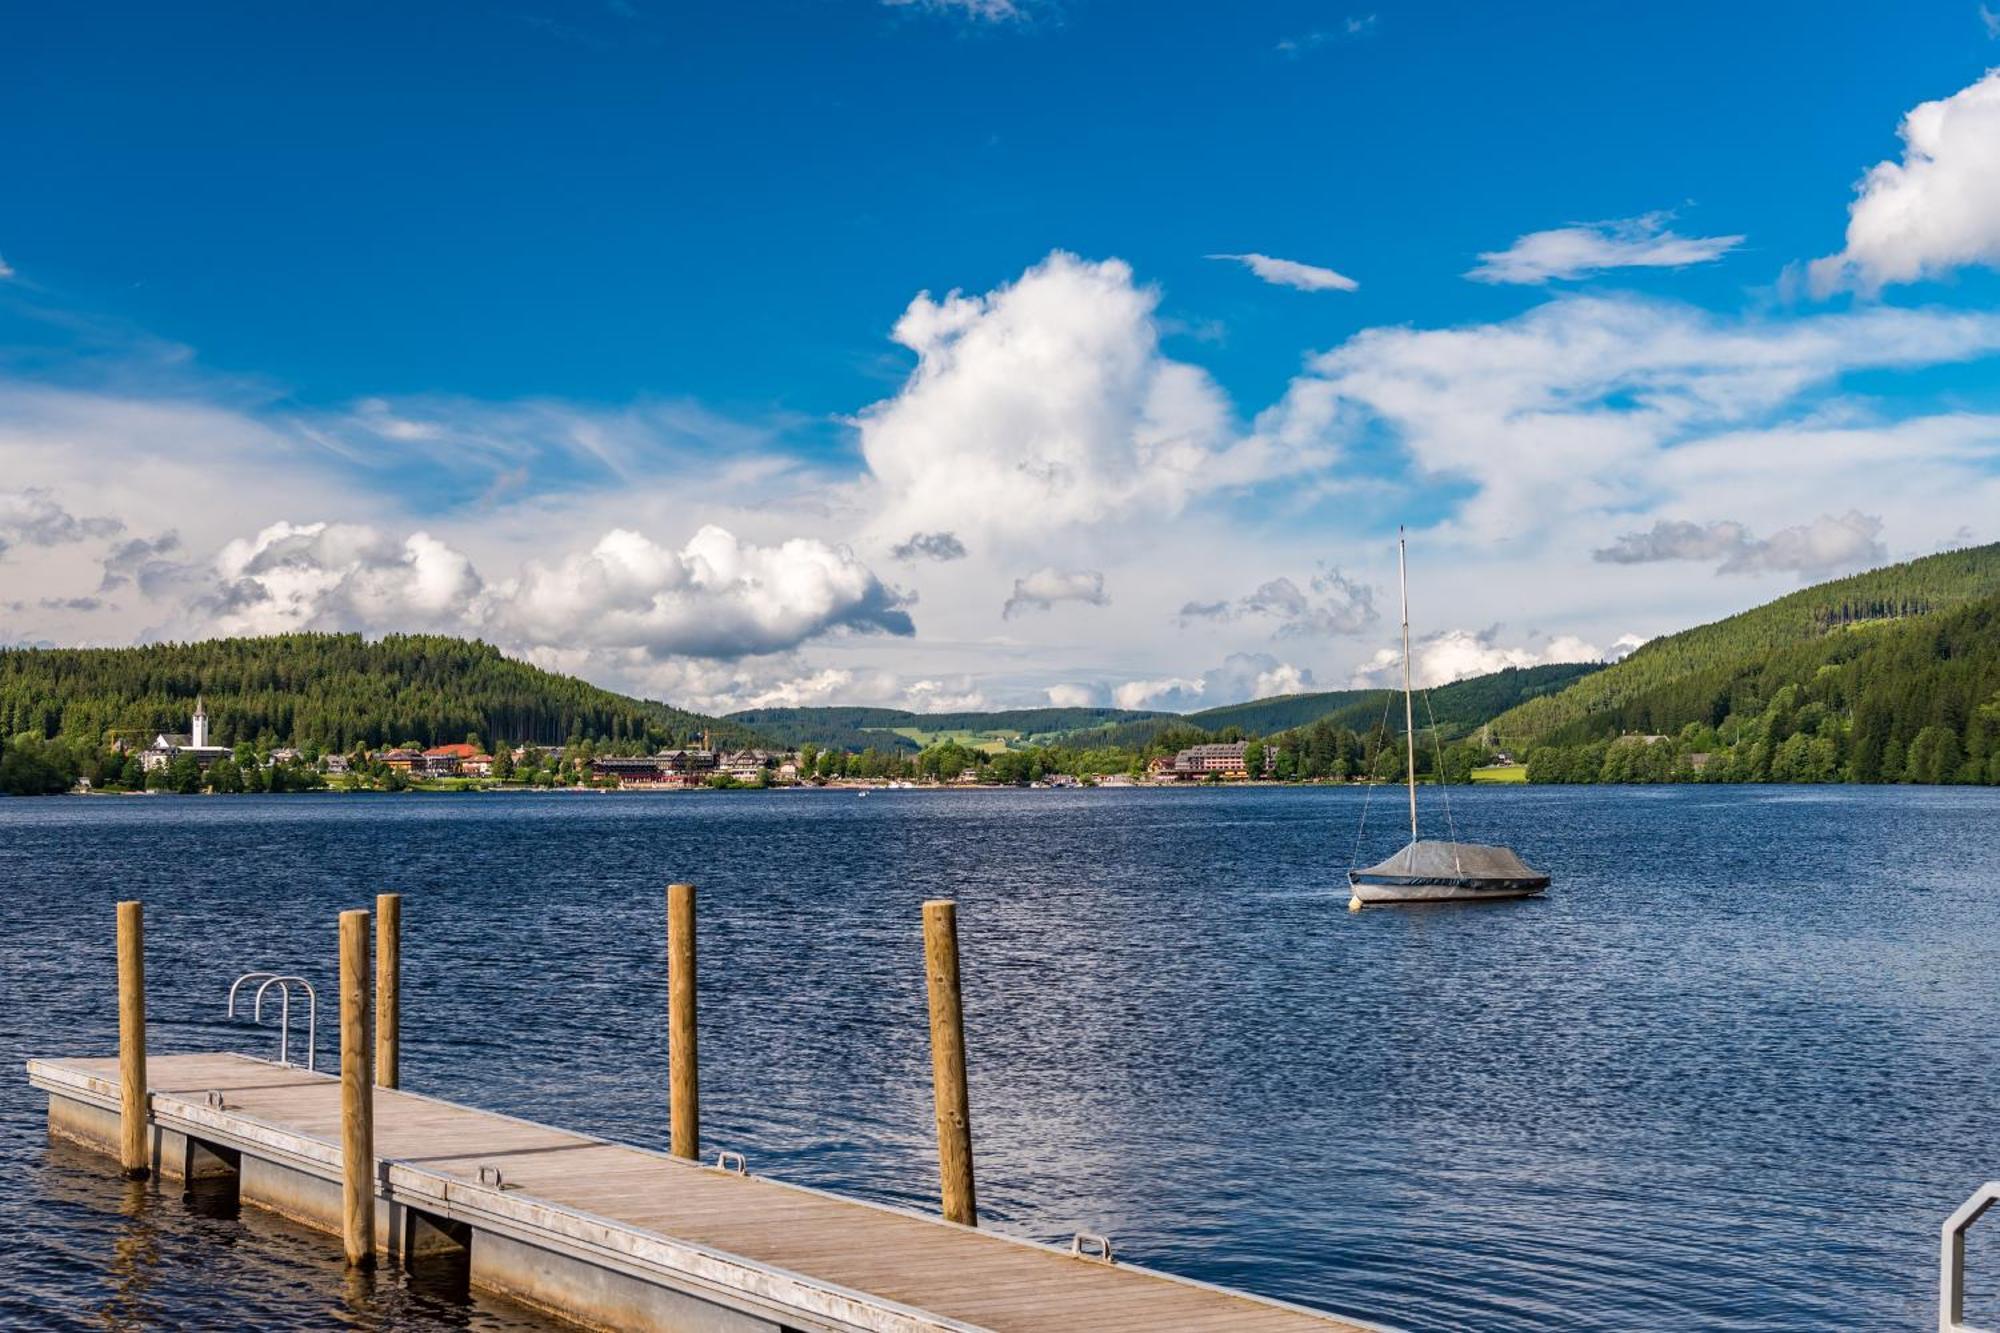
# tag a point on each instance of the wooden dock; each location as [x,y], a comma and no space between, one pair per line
[615,1236]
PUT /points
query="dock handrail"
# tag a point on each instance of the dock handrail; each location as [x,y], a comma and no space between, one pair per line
[284,983]
[1951,1258]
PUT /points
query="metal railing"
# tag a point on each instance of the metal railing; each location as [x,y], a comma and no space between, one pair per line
[265,981]
[1951,1258]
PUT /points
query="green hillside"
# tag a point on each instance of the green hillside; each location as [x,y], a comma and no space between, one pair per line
[899,730]
[1695,675]
[333,691]
[1459,707]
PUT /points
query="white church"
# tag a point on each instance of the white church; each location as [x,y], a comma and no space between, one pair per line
[169,746]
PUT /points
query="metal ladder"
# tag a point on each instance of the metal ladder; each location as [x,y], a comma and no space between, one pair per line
[284,983]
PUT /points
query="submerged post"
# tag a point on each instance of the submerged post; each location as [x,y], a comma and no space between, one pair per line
[682,1065]
[135,1154]
[357,1096]
[388,986]
[954,1118]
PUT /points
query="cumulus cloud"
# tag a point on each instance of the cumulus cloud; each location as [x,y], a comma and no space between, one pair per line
[1828,545]
[1291,273]
[1048,585]
[718,596]
[1936,210]
[1241,677]
[1043,403]
[1584,248]
[929,546]
[33,517]
[1077,696]
[1440,659]
[304,576]
[1330,604]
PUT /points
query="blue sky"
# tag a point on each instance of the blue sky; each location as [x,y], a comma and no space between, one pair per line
[514,278]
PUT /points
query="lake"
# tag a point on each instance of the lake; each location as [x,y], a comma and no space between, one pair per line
[1733,1072]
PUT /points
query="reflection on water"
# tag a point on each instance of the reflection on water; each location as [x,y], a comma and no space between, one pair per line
[1732,1072]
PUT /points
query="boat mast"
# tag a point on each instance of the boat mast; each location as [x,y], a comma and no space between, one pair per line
[1409,716]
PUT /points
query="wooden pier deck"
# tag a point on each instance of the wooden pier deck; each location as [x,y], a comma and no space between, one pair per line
[617,1236]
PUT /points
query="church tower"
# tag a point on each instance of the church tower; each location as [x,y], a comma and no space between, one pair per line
[200,736]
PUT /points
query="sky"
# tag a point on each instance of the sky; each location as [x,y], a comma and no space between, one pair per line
[953,354]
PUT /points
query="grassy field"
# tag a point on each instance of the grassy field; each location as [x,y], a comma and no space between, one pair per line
[992,742]
[1501,773]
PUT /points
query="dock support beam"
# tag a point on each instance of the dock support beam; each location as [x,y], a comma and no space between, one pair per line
[954,1117]
[388,988]
[682,1063]
[135,1153]
[357,1096]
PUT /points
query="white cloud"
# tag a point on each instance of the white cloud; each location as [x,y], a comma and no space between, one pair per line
[1291,273]
[1048,585]
[1989,21]
[6,270]
[1075,696]
[1331,604]
[1591,247]
[1936,210]
[1041,404]
[1241,677]
[1580,405]
[1354,25]
[1440,659]
[718,596]
[1828,545]
[303,576]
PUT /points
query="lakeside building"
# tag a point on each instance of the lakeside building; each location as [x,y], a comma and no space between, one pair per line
[169,746]
[1223,759]
[669,768]
[400,759]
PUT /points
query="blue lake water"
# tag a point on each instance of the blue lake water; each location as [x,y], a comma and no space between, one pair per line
[1731,1073]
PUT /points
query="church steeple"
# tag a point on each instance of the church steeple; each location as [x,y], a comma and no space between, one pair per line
[200,735]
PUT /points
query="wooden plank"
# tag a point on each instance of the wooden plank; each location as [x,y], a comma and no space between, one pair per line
[953,1272]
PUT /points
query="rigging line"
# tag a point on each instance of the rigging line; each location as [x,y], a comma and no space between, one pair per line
[1443,786]
[1368,787]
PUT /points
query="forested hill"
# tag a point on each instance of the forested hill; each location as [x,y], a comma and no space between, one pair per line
[897,729]
[1459,707]
[1711,672]
[330,690]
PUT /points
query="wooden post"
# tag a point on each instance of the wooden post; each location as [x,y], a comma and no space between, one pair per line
[357,1095]
[682,1065]
[954,1117]
[388,987]
[135,1153]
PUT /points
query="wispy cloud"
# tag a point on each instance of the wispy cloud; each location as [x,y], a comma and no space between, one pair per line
[1292,273]
[929,546]
[1355,25]
[1046,586]
[976,11]
[1828,545]
[1584,248]
[1990,21]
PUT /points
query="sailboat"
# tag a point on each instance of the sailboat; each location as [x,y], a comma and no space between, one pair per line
[1429,871]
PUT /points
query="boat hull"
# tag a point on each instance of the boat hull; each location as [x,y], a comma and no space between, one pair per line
[1372,890]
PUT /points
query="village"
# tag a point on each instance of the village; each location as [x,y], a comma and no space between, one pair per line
[192,762]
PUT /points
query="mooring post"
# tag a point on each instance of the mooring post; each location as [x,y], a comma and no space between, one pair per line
[357,1095]
[135,1152]
[388,986]
[954,1117]
[682,1064]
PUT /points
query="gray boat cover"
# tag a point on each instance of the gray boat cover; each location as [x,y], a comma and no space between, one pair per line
[1454,860]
